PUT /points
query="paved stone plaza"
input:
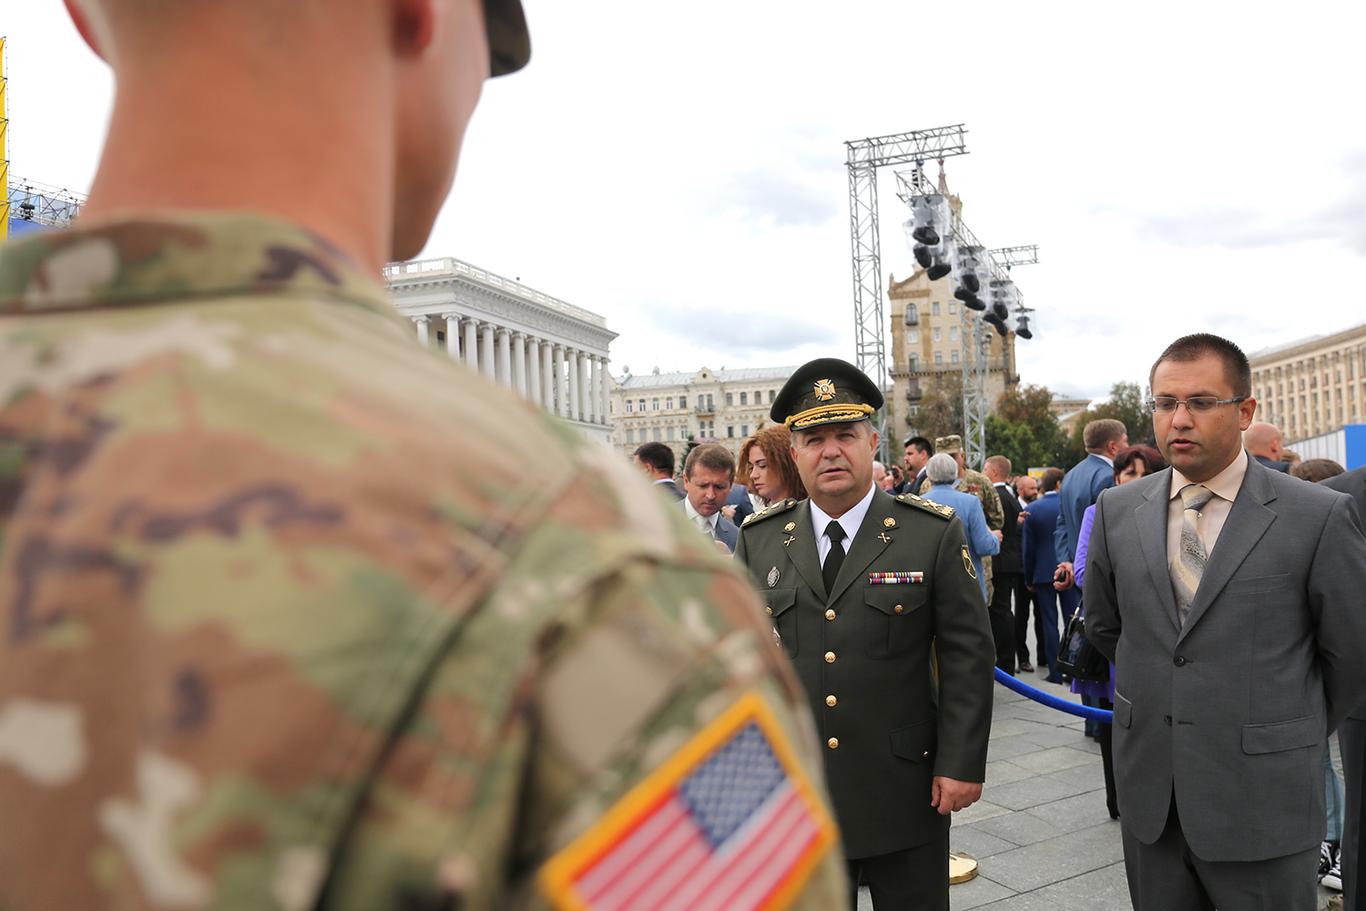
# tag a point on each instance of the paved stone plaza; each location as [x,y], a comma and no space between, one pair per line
[1041,832]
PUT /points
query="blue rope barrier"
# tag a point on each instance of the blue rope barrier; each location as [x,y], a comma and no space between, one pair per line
[1053,702]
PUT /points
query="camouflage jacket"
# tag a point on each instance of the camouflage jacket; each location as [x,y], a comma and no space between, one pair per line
[980,486]
[283,626]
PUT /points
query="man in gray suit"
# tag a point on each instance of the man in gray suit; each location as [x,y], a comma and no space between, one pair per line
[1352,739]
[708,472]
[1229,597]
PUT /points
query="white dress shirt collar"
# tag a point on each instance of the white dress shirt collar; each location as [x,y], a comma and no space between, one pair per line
[850,522]
[1225,484]
[694,515]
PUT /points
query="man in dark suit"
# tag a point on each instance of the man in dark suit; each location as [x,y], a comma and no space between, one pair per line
[1352,740]
[1039,563]
[870,594]
[1264,443]
[1229,598]
[1103,440]
[708,472]
[916,452]
[657,461]
[1007,573]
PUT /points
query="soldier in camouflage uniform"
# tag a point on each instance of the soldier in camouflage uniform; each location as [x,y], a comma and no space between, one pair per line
[976,483]
[284,628]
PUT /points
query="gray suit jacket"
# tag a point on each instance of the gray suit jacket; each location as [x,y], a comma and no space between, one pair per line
[1353,483]
[1230,712]
[727,532]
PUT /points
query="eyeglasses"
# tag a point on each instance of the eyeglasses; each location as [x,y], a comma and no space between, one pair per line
[1196,404]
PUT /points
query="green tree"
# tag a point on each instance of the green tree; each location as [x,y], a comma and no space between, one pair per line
[1125,405]
[941,409]
[1023,429]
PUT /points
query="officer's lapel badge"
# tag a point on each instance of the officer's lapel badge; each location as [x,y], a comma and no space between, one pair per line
[889,522]
[884,537]
[729,821]
[790,527]
[773,577]
[824,389]
[967,562]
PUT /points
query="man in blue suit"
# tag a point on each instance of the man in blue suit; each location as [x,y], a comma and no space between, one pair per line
[1081,487]
[1038,555]
[942,471]
[708,473]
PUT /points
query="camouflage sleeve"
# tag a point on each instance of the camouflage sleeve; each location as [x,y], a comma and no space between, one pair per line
[991,505]
[611,643]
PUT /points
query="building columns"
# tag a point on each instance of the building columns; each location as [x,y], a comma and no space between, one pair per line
[575,386]
[534,387]
[486,357]
[421,323]
[547,378]
[471,356]
[504,357]
[519,364]
[603,387]
[561,384]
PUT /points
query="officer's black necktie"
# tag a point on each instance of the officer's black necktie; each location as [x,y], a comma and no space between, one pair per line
[834,559]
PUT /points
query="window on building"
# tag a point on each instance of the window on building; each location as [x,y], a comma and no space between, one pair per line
[915,411]
[630,435]
[934,308]
[744,430]
[683,402]
[939,357]
[628,406]
[913,336]
[744,398]
[671,434]
[953,357]
[654,404]
[914,362]
[658,434]
[730,399]
[953,308]
[711,402]
[773,393]
[938,334]
[640,405]
[669,403]
[953,333]
[730,431]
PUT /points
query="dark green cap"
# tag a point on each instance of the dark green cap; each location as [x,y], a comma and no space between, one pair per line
[509,42]
[825,391]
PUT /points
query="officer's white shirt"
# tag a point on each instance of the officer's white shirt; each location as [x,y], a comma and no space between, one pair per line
[694,515]
[850,522]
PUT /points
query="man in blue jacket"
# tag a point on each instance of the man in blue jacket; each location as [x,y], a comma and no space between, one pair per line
[1038,555]
[1081,487]
[942,470]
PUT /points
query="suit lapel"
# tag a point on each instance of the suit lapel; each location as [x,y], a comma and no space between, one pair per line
[802,551]
[866,545]
[1247,521]
[1151,516]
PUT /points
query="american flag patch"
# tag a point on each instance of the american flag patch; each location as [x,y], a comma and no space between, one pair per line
[729,822]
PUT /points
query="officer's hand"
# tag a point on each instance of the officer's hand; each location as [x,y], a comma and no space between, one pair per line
[950,794]
[1062,577]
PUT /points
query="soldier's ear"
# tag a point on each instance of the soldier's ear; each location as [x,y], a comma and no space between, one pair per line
[414,24]
[82,23]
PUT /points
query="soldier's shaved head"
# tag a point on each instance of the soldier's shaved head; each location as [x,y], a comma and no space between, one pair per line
[275,107]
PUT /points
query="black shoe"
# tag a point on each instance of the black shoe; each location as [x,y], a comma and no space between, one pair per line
[1026,667]
[1054,678]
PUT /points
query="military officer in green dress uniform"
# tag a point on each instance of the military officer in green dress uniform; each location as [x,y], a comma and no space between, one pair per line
[875,600]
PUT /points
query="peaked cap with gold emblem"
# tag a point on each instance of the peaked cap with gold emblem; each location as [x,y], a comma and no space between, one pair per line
[825,391]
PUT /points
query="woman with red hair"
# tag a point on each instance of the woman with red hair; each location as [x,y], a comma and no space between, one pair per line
[765,463]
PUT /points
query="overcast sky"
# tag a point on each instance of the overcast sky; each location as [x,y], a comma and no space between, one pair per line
[1182,166]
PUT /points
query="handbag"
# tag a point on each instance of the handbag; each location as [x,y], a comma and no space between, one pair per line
[1078,658]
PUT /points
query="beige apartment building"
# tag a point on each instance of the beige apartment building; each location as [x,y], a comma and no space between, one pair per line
[927,344]
[724,406]
[1312,386]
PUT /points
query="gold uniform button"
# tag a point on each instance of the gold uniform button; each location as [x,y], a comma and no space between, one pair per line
[829,613]
[925,755]
[898,609]
[769,611]
[829,657]
[833,743]
[831,701]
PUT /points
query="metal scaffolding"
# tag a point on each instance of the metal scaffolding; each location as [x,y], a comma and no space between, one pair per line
[42,204]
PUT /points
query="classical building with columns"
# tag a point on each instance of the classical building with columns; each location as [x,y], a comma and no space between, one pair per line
[549,351]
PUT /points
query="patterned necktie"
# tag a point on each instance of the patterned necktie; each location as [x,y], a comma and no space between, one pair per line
[834,559]
[705,525]
[1189,565]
